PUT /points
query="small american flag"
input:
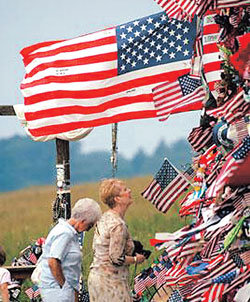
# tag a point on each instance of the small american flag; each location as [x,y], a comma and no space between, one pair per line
[166,187]
[185,94]
[200,137]
[233,109]
[214,293]
[33,292]
[233,160]
[32,258]
[181,9]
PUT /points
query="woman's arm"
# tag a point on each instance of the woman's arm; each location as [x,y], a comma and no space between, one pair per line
[56,270]
[139,258]
[4,292]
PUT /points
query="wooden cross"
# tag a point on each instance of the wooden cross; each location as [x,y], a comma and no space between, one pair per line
[63,172]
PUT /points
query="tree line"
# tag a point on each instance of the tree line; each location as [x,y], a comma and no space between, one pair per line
[26,163]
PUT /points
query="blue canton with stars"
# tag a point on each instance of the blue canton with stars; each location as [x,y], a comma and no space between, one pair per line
[152,41]
[188,84]
[165,175]
[243,150]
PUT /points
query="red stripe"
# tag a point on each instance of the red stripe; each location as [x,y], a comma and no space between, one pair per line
[61,94]
[111,56]
[27,50]
[210,29]
[60,128]
[31,116]
[70,48]
[210,48]
[177,185]
[213,66]
[84,77]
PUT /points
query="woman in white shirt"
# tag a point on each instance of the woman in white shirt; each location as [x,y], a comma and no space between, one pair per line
[4,278]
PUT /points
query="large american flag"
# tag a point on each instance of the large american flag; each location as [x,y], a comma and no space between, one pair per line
[103,77]
[167,186]
[185,94]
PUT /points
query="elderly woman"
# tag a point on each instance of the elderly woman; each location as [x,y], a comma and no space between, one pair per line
[113,247]
[4,278]
[62,257]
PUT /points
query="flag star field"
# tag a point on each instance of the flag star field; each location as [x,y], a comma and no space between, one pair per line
[152,41]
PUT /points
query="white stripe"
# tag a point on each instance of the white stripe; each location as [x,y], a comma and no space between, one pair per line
[72,70]
[78,54]
[211,57]
[61,119]
[85,38]
[56,103]
[213,76]
[76,86]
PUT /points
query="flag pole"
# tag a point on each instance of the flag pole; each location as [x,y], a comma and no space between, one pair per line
[113,157]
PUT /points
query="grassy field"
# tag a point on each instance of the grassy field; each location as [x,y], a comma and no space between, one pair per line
[27,215]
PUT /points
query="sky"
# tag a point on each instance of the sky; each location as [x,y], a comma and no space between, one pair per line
[26,22]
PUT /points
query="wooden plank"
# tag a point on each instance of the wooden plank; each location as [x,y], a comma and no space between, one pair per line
[7,110]
[20,272]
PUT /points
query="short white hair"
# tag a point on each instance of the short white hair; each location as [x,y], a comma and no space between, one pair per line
[86,209]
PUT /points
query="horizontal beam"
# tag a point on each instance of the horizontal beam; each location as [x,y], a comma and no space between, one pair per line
[7,110]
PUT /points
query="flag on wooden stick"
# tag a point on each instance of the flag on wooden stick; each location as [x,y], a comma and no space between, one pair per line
[167,186]
[104,77]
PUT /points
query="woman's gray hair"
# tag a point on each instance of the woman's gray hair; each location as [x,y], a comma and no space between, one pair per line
[86,209]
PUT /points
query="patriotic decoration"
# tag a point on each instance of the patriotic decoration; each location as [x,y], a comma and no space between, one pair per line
[167,186]
[232,163]
[209,258]
[187,9]
[182,9]
[103,77]
[33,293]
[212,57]
[185,94]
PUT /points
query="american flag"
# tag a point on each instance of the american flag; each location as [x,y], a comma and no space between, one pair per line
[103,77]
[214,293]
[240,280]
[175,296]
[211,55]
[181,9]
[241,128]
[166,187]
[230,3]
[185,94]
[33,292]
[233,109]
[233,160]
[200,137]
[32,258]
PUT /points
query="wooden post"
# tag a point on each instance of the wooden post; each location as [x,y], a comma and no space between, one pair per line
[7,110]
[62,207]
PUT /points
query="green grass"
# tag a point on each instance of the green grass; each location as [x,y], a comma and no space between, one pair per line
[27,215]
